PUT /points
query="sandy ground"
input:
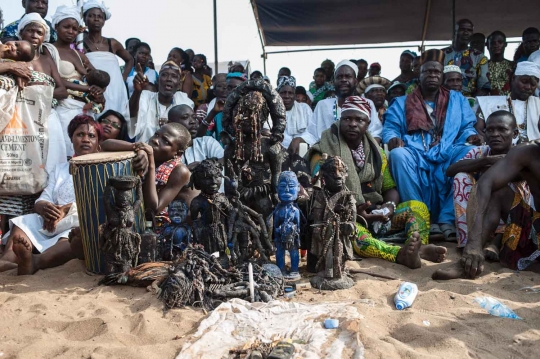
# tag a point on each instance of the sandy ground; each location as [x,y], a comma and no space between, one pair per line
[62,313]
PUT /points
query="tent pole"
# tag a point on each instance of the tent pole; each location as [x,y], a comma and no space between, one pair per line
[426,23]
[264,56]
[453,18]
[215,39]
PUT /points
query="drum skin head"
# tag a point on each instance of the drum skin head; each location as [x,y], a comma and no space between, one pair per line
[101,157]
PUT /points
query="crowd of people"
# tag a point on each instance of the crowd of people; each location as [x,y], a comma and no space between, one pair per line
[446,150]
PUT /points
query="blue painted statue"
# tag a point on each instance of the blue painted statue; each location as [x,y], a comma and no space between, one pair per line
[175,236]
[287,223]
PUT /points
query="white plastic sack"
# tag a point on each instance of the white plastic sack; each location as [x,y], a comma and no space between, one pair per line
[24,143]
[237,322]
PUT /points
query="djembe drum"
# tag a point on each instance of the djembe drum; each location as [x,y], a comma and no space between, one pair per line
[90,177]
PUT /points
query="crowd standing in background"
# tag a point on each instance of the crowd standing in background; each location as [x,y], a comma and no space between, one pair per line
[423,147]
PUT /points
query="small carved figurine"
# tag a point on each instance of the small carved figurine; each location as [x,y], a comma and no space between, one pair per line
[118,241]
[245,235]
[287,223]
[175,236]
[210,209]
[332,217]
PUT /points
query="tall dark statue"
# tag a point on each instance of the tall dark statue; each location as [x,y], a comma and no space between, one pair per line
[332,218]
[255,158]
[118,241]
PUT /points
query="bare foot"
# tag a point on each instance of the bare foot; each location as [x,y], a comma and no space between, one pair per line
[454,272]
[23,251]
[433,253]
[491,252]
[6,265]
[409,255]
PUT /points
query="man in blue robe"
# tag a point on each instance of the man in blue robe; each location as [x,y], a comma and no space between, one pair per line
[426,132]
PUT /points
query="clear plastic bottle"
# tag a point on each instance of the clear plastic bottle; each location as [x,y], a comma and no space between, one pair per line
[406,295]
[496,308]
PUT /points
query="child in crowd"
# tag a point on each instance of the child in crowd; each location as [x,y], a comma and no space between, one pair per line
[166,175]
[94,77]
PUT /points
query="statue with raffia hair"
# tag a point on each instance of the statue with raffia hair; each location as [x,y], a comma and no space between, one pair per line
[332,218]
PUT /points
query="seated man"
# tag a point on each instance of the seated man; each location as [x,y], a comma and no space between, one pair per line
[427,131]
[328,111]
[397,89]
[501,128]
[521,102]
[149,109]
[378,201]
[491,200]
[374,89]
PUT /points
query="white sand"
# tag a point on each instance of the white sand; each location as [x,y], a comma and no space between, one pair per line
[62,313]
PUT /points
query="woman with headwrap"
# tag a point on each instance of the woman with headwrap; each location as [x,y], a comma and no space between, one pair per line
[102,52]
[44,88]
[298,114]
[377,199]
[72,67]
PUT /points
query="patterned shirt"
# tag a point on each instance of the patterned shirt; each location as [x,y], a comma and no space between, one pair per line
[499,75]
[11,31]
[474,68]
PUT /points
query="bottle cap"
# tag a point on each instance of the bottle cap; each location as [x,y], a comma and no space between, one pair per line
[400,305]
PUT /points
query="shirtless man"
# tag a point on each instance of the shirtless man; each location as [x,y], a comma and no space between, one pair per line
[518,248]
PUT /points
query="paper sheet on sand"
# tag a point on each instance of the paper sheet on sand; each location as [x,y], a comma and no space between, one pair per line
[237,322]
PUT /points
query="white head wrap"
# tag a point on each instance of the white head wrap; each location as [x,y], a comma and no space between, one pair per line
[374,86]
[528,68]
[92,4]
[451,68]
[67,12]
[351,64]
[535,57]
[310,95]
[34,17]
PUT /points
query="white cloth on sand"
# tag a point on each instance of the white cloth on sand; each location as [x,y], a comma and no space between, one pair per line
[151,111]
[327,112]
[490,104]
[116,96]
[298,119]
[59,191]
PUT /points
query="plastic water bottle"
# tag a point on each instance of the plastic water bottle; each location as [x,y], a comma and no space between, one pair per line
[406,295]
[496,308]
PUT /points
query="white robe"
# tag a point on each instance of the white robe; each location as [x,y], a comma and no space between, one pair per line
[145,125]
[490,104]
[116,96]
[59,191]
[324,117]
[298,119]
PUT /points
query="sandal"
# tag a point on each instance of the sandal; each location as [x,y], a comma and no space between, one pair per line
[435,230]
[449,231]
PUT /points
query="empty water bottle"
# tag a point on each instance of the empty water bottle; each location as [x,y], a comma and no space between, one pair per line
[496,308]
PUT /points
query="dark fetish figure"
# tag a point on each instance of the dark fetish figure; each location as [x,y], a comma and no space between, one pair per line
[332,217]
[118,241]
[176,235]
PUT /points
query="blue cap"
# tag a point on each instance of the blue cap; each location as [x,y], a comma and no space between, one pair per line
[400,305]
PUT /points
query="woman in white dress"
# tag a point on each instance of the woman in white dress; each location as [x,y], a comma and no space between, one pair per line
[46,231]
[102,51]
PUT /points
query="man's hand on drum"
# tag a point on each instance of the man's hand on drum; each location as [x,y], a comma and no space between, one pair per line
[145,155]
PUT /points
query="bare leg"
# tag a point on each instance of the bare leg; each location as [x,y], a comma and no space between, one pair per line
[491,250]
[30,263]
[409,255]
[499,204]
[433,253]
[9,260]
